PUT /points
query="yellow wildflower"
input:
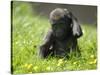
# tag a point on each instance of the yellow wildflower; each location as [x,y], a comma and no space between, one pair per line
[48,68]
[60,60]
[25,65]
[58,64]
[74,63]
[35,68]
[93,62]
[29,66]
[30,72]
[92,56]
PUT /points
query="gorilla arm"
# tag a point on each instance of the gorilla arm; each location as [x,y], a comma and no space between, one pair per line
[45,47]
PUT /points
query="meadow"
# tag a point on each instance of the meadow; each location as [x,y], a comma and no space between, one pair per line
[28,31]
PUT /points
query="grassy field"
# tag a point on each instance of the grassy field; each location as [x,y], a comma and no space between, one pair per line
[28,31]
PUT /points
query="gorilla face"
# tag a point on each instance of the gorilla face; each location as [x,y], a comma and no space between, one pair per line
[62,26]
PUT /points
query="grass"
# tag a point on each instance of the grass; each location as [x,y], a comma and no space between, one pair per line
[28,31]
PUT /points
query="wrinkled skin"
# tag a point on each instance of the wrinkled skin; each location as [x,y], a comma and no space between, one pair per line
[62,37]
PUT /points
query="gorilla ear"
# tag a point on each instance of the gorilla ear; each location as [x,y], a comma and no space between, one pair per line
[76,28]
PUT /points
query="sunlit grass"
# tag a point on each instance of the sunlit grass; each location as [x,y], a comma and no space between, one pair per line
[28,32]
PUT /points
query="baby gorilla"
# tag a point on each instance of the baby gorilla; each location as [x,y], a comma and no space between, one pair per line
[62,37]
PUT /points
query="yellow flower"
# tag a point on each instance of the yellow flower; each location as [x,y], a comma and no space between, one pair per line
[60,60]
[48,68]
[90,62]
[35,68]
[74,63]
[92,56]
[29,66]
[30,72]
[25,65]
[93,62]
[58,64]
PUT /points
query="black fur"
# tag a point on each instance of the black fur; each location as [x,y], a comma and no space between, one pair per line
[62,37]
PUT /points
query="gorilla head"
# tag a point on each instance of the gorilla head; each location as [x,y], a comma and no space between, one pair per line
[63,22]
